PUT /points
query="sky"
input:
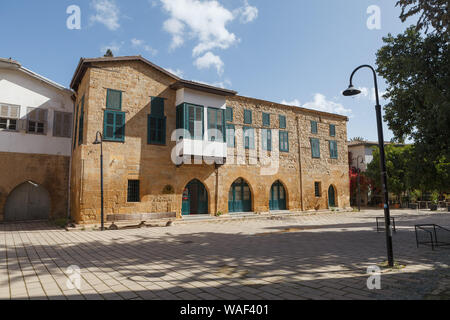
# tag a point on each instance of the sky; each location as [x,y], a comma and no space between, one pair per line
[297,52]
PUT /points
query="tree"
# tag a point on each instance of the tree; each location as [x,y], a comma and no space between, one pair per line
[109,53]
[433,13]
[417,71]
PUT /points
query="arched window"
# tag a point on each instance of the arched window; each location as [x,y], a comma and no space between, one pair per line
[240,197]
[195,199]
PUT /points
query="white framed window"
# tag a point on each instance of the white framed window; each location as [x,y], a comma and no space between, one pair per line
[62,124]
[9,117]
[37,121]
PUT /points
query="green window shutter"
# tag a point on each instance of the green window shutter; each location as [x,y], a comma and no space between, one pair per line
[284,141]
[113,99]
[248,117]
[266,120]
[282,122]
[332,130]
[315,148]
[266,139]
[81,126]
[231,137]
[114,126]
[229,114]
[76,127]
[157,107]
[333,150]
[314,129]
[249,138]
[156,130]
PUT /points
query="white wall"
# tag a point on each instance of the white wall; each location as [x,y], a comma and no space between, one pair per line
[363,151]
[18,88]
[200,98]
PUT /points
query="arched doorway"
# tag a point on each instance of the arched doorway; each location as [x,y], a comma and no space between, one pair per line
[27,202]
[240,197]
[277,197]
[195,199]
[331,197]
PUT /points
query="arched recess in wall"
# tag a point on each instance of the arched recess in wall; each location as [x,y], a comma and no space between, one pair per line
[332,197]
[28,202]
[195,199]
[240,197]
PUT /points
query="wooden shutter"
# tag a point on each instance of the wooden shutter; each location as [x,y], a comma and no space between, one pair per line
[58,124]
[157,107]
[282,122]
[333,150]
[248,117]
[266,120]
[229,114]
[4,111]
[314,128]
[315,148]
[67,125]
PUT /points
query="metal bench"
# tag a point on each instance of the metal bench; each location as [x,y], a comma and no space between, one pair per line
[427,234]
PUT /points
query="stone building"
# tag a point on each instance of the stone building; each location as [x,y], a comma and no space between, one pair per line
[35,145]
[186,148]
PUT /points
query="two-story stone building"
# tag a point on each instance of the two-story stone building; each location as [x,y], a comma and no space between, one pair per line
[172,145]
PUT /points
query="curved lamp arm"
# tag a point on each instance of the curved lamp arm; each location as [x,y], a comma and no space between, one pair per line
[374,79]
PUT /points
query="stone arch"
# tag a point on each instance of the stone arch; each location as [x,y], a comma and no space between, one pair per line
[27,202]
[276,194]
[195,198]
[332,197]
[240,196]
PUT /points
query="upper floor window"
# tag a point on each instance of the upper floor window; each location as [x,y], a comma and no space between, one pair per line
[333,150]
[284,141]
[113,99]
[317,189]
[248,117]
[216,125]
[249,138]
[314,127]
[332,130]
[282,122]
[315,148]
[156,129]
[191,118]
[231,136]
[229,114]
[266,139]
[37,121]
[62,124]
[114,126]
[266,119]
[9,117]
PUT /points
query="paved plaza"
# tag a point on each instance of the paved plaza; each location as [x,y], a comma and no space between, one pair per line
[320,256]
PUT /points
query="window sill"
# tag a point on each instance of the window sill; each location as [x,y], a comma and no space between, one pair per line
[157,144]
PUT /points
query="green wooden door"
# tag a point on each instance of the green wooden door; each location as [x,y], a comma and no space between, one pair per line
[277,197]
[195,199]
[240,197]
[331,197]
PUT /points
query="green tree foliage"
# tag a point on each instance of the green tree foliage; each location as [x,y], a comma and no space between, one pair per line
[432,13]
[417,71]
[109,53]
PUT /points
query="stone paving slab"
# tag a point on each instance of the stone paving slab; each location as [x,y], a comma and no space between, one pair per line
[287,257]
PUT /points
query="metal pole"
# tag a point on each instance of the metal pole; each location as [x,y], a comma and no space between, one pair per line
[384,183]
[359,191]
[101,181]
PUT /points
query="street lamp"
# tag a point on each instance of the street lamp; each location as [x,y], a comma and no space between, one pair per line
[352,91]
[99,141]
[358,171]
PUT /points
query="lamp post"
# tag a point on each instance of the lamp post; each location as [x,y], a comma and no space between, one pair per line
[358,171]
[99,141]
[352,91]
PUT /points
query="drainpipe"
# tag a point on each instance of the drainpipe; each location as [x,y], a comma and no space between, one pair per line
[300,163]
[217,191]
[74,98]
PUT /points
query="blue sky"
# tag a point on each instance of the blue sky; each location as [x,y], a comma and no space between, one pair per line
[294,51]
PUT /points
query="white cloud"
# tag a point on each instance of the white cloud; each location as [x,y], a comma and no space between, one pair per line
[209,60]
[295,103]
[221,84]
[320,103]
[248,13]
[179,73]
[113,46]
[141,44]
[107,13]
[205,20]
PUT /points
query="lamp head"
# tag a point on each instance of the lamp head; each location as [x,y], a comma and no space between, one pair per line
[98,139]
[351,91]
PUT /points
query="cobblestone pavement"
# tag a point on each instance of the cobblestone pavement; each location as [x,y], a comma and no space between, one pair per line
[322,256]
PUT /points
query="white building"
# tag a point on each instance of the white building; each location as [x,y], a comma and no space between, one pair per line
[35,144]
